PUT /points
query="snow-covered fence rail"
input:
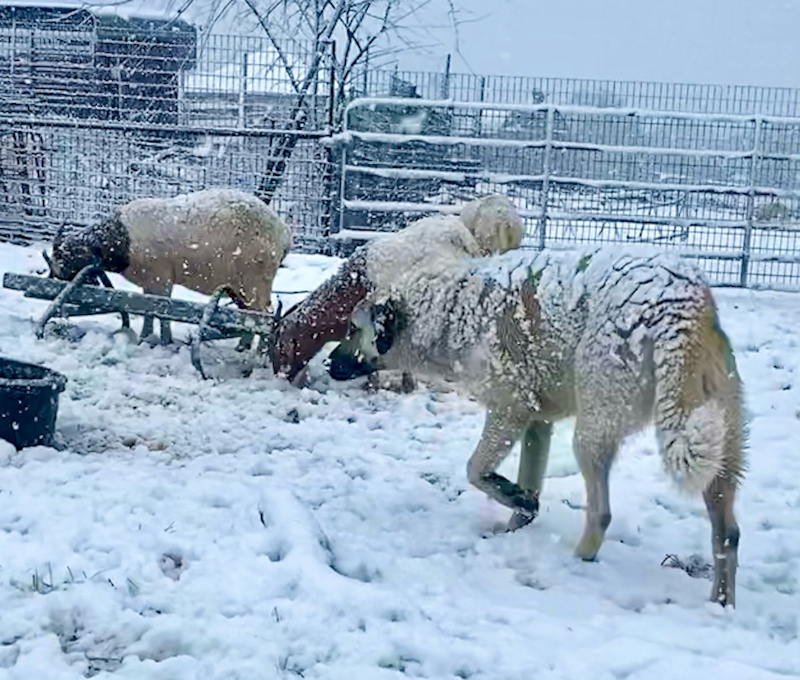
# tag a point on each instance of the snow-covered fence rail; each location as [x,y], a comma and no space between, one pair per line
[724,189]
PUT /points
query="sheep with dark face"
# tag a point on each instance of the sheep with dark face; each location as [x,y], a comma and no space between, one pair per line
[202,240]
[486,225]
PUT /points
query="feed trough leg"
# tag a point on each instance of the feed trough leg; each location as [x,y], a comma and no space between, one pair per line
[63,296]
[203,331]
[56,306]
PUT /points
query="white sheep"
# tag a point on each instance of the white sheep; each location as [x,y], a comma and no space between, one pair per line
[202,240]
[486,225]
[616,339]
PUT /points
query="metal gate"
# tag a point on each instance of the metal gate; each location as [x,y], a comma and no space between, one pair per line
[724,190]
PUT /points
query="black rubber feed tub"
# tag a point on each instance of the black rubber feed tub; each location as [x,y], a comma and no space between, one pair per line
[28,403]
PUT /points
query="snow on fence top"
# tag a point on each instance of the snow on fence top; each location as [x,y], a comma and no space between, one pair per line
[264,72]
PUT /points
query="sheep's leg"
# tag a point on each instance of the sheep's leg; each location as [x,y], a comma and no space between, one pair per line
[532,466]
[166,332]
[719,497]
[246,339]
[595,453]
[501,430]
[261,301]
[147,334]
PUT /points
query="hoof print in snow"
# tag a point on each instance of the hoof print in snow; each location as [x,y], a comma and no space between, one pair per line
[64,331]
[695,566]
[292,416]
[276,549]
[172,565]
[528,580]
[359,571]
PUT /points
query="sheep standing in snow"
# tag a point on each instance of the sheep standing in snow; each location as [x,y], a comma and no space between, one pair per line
[485,226]
[202,240]
[614,339]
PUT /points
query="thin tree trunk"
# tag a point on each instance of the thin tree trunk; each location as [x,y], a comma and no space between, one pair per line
[276,166]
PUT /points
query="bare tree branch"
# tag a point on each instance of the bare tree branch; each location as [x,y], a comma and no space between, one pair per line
[275,44]
[362,30]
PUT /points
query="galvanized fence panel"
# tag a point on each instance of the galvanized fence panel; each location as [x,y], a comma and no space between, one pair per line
[53,174]
[163,77]
[722,189]
[92,117]
[654,96]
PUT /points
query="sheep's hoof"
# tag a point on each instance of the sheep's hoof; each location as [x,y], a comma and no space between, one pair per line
[152,340]
[407,383]
[244,345]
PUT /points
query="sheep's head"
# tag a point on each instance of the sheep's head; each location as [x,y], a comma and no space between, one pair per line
[373,331]
[63,261]
[324,316]
[107,244]
[494,222]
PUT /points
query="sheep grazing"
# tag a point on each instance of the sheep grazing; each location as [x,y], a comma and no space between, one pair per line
[202,240]
[486,226]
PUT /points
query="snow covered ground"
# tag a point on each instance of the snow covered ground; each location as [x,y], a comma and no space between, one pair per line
[243,529]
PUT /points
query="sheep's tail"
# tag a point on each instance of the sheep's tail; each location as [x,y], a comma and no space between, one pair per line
[697,398]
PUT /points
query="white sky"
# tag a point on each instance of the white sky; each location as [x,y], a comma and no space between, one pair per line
[747,42]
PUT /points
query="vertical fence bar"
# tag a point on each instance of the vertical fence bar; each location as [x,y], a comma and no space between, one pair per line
[755,166]
[481,97]
[548,148]
[330,156]
[342,177]
[242,120]
[332,88]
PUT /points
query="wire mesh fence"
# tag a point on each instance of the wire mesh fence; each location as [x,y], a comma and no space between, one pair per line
[165,74]
[722,189]
[94,115]
[53,174]
[682,97]
[248,82]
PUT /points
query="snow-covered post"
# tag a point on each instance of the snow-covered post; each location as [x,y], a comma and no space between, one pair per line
[548,147]
[755,165]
